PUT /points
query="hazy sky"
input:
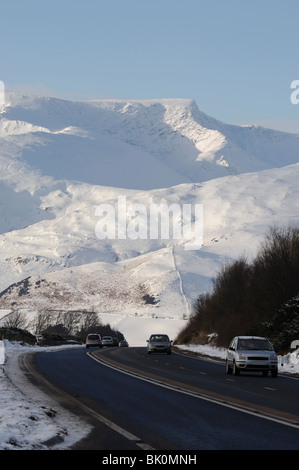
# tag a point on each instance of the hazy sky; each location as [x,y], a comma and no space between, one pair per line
[235,58]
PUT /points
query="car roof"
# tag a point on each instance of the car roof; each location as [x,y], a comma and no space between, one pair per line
[251,337]
[159,334]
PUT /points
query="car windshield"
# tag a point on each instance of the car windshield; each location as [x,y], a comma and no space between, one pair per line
[93,337]
[159,338]
[254,344]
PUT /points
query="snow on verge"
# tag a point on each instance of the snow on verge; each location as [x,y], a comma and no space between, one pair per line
[29,419]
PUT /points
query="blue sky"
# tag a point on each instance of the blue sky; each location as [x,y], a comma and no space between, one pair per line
[235,58]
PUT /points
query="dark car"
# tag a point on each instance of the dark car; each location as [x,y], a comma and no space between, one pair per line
[123,343]
[159,343]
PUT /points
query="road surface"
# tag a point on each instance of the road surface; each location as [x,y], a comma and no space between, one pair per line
[171,402]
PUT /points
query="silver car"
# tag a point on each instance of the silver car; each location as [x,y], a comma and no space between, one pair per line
[159,343]
[107,341]
[251,353]
[93,339]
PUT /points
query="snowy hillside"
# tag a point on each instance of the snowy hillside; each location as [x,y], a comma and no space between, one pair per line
[60,160]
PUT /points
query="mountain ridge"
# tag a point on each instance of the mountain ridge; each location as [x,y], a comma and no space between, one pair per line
[172,134]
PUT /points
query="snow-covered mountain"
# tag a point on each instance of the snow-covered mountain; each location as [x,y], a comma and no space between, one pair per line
[60,160]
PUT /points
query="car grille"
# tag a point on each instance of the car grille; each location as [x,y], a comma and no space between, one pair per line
[258,358]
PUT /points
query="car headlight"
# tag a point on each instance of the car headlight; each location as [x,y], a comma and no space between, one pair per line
[273,357]
[242,356]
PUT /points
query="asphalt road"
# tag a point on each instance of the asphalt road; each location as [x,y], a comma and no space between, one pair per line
[172,402]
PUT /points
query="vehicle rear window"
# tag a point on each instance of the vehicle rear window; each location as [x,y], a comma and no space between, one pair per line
[93,337]
[159,338]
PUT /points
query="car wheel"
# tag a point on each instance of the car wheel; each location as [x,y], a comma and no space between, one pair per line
[236,370]
[227,368]
[274,373]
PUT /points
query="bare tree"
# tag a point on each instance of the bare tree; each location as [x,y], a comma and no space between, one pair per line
[42,321]
[90,322]
[71,321]
[16,319]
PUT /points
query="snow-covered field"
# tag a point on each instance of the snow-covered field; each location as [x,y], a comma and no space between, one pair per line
[29,420]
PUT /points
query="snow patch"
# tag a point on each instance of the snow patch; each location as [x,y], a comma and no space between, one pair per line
[29,419]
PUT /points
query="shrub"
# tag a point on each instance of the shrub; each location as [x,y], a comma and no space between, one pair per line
[252,298]
[284,326]
[17,334]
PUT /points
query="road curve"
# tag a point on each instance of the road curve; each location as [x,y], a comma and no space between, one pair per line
[206,378]
[191,404]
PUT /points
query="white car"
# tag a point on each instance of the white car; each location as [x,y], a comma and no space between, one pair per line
[251,353]
[93,339]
